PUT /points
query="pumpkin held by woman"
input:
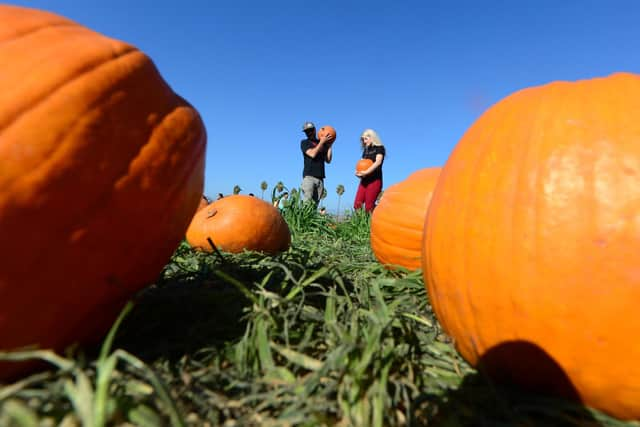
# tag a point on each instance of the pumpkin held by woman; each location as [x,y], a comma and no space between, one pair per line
[363,164]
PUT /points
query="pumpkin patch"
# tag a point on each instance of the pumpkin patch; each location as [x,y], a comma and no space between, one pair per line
[514,264]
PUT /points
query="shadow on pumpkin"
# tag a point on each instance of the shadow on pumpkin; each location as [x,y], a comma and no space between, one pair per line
[518,383]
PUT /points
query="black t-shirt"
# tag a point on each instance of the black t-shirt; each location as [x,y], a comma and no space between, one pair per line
[370,153]
[313,166]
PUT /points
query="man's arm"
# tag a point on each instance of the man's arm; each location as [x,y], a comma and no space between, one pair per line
[329,155]
[313,152]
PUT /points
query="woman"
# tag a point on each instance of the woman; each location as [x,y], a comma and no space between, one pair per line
[370,179]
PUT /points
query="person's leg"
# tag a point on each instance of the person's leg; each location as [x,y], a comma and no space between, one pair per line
[371,194]
[319,191]
[307,188]
[359,200]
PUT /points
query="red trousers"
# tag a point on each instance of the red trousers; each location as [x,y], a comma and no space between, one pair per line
[367,193]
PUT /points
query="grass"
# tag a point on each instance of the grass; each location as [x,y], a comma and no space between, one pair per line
[319,335]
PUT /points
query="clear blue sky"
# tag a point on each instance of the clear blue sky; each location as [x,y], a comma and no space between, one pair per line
[418,72]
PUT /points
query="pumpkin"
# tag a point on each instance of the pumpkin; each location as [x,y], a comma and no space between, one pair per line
[397,222]
[327,131]
[237,223]
[532,242]
[101,170]
[363,164]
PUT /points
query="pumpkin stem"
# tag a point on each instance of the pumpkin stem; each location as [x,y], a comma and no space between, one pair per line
[215,249]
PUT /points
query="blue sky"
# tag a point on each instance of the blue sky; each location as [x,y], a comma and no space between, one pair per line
[418,72]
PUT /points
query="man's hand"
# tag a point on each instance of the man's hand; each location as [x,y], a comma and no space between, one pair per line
[320,147]
[326,140]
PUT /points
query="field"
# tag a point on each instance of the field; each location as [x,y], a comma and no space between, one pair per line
[319,335]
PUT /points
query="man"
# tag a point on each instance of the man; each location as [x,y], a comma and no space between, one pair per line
[315,153]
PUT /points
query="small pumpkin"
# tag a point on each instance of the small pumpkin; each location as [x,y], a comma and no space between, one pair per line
[237,223]
[363,164]
[397,222]
[327,131]
[532,242]
[101,170]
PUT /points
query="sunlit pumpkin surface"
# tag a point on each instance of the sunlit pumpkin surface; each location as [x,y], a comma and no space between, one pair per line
[363,164]
[533,238]
[237,223]
[397,223]
[327,131]
[101,170]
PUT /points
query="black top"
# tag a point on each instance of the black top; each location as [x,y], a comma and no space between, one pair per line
[370,152]
[313,166]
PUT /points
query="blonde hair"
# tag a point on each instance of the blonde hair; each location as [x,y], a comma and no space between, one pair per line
[375,139]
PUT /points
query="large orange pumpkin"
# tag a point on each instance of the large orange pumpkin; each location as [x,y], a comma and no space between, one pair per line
[397,222]
[239,222]
[533,240]
[101,170]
